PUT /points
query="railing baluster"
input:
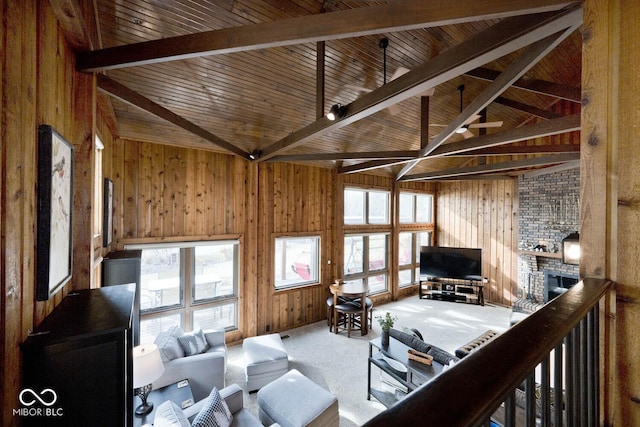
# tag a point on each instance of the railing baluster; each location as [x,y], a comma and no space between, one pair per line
[582,377]
[558,386]
[544,393]
[530,400]
[593,370]
[576,390]
[569,369]
[510,410]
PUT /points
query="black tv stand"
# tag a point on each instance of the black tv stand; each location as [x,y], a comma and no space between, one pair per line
[467,290]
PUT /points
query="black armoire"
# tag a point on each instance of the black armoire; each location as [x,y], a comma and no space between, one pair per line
[82,352]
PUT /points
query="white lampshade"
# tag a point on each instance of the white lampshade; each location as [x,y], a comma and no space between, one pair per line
[147,365]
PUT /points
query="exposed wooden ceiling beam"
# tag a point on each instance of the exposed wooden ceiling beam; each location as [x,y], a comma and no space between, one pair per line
[502,38]
[574,164]
[370,165]
[376,155]
[519,150]
[399,16]
[493,151]
[495,167]
[538,130]
[475,146]
[491,177]
[538,86]
[527,59]
[123,93]
[529,109]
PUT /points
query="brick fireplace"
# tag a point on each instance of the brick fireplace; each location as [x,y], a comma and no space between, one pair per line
[549,211]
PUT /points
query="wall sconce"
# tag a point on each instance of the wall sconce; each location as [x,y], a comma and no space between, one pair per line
[337,111]
[571,249]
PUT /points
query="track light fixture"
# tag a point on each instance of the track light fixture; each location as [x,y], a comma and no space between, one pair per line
[337,111]
[255,154]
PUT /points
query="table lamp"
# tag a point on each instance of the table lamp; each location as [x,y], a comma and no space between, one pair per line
[147,367]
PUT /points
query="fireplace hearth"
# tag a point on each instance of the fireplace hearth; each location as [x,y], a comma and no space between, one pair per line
[556,283]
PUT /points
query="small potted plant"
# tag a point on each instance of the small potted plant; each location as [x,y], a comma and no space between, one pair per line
[386,323]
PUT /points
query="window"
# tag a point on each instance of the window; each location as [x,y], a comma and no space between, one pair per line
[98,188]
[415,215]
[366,206]
[365,258]
[297,261]
[415,208]
[192,284]
[409,256]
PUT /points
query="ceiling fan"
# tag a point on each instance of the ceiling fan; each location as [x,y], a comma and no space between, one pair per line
[400,71]
[464,129]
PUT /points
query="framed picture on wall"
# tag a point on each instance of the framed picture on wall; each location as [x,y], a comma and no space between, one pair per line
[55,209]
[107,224]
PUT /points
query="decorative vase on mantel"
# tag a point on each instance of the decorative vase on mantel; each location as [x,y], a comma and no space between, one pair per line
[384,338]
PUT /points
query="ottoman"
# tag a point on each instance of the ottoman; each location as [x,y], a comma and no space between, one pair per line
[293,400]
[265,360]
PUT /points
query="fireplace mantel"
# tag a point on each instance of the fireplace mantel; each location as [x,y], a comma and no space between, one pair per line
[556,255]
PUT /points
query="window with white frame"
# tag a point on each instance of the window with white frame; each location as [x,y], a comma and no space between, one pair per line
[365,259]
[192,284]
[297,261]
[415,215]
[415,208]
[366,206]
[409,255]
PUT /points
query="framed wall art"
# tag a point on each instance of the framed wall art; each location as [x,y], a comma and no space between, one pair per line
[55,209]
[107,224]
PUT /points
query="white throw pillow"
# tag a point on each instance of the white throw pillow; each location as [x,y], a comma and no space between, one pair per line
[168,344]
[169,414]
[194,343]
[214,413]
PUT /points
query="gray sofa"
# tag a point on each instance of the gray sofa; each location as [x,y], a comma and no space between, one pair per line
[414,340]
[204,371]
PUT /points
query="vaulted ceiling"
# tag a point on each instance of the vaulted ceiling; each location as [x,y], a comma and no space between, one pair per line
[254,78]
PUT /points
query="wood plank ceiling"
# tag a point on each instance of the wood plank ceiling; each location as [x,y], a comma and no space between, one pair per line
[248,82]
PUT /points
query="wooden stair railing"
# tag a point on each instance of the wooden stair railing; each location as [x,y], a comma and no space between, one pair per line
[470,393]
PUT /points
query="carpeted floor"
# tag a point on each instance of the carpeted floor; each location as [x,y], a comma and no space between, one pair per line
[339,364]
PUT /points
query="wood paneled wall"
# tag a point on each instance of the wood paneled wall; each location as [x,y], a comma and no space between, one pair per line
[39,85]
[483,214]
[293,199]
[165,191]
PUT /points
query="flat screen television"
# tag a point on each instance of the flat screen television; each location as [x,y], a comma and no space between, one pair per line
[451,263]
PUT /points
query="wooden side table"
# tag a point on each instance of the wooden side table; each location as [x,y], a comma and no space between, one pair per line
[179,392]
